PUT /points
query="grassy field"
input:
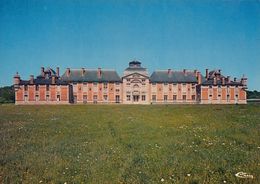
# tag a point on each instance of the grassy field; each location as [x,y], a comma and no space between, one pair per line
[129,144]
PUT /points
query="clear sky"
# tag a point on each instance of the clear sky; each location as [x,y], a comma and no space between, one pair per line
[109,34]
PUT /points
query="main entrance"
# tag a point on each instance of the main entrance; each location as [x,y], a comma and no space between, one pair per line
[136,98]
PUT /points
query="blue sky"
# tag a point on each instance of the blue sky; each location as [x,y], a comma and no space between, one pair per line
[109,34]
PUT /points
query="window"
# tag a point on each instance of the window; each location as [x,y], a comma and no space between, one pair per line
[165,84]
[37,87]
[228,98]
[143,97]
[154,97]
[85,98]
[37,98]
[193,97]
[105,85]
[143,80]
[184,97]
[117,90]
[25,98]
[210,86]
[25,88]
[47,98]
[165,98]
[58,97]
[117,83]
[95,98]
[117,98]
[174,97]
[105,97]
[75,98]
[128,97]
[47,88]
[128,80]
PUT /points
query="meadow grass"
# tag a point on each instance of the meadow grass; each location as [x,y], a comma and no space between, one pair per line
[129,144]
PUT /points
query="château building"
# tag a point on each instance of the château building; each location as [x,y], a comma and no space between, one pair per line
[136,86]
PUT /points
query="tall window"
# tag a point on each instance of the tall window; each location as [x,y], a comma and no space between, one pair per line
[37,87]
[128,97]
[184,97]
[36,98]
[85,98]
[165,98]
[75,98]
[105,85]
[58,97]
[47,98]
[25,98]
[47,88]
[25,88]
[193,97]
[174,97]
[143,97]
[95,98]
[117,98]
[153,97]
[105,97]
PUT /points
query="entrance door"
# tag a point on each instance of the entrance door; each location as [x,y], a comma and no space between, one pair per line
[136,98]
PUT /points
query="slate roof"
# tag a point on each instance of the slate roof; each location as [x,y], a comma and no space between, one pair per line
[42,81]
[91,76]
[174,77]
[219,82]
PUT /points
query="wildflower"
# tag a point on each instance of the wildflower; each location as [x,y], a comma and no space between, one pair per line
[40,181]
[162,180]
[188,175]
[224,181]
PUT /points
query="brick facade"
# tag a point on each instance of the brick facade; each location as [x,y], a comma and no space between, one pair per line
[83,86]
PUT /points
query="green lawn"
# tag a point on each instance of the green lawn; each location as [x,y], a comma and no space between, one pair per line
[129,144]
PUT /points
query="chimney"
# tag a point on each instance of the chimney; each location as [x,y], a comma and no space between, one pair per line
[17,79]
[42,71]
[219,71]
[184,71]
[31,79]
[199,77]
[215,80]
[99,72]
[83,71]
[53,79]
[68,72]
[223,81]
[235,79]
[228,79]
[58,71]
[244,81]
[207,74]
